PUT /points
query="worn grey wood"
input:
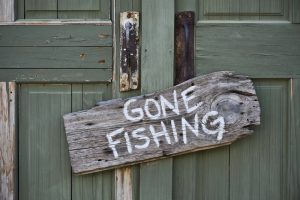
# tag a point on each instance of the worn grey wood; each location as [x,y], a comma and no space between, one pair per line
[56,35]
[56,57]
[7,10]
[257,50]
[129,42]
[8,185]
[55,75]
[231,96]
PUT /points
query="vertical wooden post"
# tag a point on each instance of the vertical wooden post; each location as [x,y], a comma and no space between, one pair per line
[7,10]
[184,46]
[7,141]
[157,72]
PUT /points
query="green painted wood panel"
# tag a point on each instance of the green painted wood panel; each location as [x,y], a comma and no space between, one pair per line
[157,56]
[213,174]
[37,9]
[185,181]
[243,10]
[56,57]
[88,9]
[258,163]
[64,9]
[293,176]
[257,50]
[55,75]
[56,35]
[44,167]
[295,14]
[99,185]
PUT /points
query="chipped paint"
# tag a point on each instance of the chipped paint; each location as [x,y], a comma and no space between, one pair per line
[129,50]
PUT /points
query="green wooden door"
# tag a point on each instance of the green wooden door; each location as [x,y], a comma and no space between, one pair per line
[65,67]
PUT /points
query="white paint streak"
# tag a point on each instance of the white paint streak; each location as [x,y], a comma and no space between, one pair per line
[195,129]
[141,137]
[219,121]
[112,144]
[186,99]
[164,102]
[159,134]
[139,111]
[174,131]
[147,111]
[128,143]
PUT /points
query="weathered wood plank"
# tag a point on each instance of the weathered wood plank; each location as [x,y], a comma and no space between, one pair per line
[8,186]
[229,98]
[265,50]
[132,173]
[56,35]
[55,75]
[7,10]
[184,46]
[129,50]
[56,57]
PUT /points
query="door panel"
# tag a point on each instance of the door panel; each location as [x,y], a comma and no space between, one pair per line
[258,163]
[44,167]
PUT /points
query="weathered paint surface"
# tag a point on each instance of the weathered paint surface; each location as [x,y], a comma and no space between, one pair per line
[184,46]
[129,50]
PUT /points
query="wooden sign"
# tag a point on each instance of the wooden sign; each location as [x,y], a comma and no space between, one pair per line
[204,112]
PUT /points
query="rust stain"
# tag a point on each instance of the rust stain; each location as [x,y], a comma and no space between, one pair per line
[82,56]
[101,61]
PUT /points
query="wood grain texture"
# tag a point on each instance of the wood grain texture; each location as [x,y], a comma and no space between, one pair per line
[184,46]
[293,176]
[55,35]
[231,95]
[257,50]
[8,177]
[56,57]
[44,166]
[7,10]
